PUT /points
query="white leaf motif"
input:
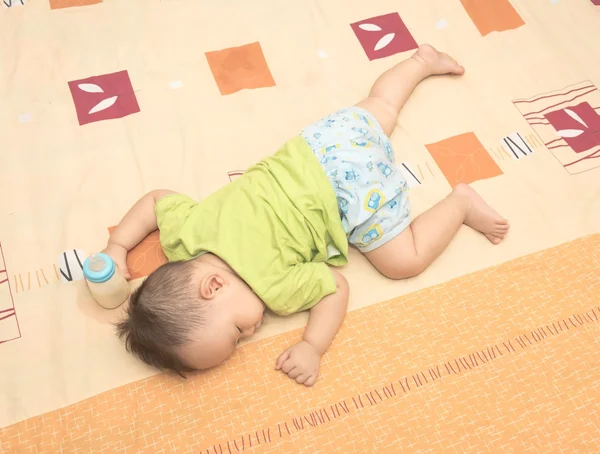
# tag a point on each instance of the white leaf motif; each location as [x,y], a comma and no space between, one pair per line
[570,133]
[384,41]
[103,105]
[321,53]
[370,27]
[575,117]
[90,88]
[175,84]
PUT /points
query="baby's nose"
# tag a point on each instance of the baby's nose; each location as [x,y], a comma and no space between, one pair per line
[248,332]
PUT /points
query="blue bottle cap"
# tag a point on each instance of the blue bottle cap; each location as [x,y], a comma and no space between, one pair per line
[98,268]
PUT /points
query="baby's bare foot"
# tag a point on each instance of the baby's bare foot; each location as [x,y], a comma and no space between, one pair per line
[481,216]
[437,62]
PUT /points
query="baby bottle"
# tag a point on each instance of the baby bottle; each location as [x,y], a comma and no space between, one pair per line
[108,287]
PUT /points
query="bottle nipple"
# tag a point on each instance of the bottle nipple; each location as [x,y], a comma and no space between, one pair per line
[97,263]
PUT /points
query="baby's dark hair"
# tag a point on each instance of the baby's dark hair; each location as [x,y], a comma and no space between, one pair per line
[163,312]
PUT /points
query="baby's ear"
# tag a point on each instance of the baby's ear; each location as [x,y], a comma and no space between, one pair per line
[211,285]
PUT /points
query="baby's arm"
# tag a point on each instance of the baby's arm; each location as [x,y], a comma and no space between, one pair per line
[136,225]
[301,361]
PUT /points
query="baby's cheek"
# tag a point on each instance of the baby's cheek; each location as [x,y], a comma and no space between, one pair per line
[205,355]
[229,355]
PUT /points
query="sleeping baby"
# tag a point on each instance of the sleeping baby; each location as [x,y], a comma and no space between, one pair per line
[273,237]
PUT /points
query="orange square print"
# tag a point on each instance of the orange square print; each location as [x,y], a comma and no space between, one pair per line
[145,257]
[492,15]
[241,67]
[57,4]
[463,159]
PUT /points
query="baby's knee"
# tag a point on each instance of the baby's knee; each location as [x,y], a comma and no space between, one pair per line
[403,268]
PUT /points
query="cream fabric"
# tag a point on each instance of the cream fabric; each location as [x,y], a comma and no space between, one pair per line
[63,184]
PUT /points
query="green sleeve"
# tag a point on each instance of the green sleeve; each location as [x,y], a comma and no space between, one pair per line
[301,288]
[172,212]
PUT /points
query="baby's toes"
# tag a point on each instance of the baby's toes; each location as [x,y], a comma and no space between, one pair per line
[457,69]
[492,238]
[452,65]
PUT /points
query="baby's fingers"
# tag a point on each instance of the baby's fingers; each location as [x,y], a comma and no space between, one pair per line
[282,359]
[311,380]
[122,266]
[126,274]
[301,379]
[287,366]
[294,372]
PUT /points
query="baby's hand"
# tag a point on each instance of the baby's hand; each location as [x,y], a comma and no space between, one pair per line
[119,255]
[300,362]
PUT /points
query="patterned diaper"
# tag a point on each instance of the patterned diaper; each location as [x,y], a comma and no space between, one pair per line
[357,157]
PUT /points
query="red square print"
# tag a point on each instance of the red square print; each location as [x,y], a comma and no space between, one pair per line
[578,125]
[237,68]
[103,97]
[383,36]
[596,2]
[568,122]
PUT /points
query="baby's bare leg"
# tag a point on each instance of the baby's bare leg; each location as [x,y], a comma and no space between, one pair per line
[418,246]
[393,88]
[415,248]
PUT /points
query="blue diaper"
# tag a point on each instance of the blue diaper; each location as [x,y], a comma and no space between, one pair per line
[357,157]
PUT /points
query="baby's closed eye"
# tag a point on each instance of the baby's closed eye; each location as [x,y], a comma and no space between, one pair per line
[237,340]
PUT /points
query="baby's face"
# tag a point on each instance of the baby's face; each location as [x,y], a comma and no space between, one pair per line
[235,316]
